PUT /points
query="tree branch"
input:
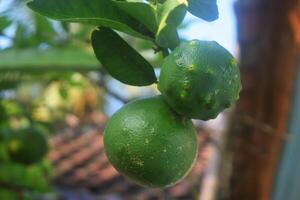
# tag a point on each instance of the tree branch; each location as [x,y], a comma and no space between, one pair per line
[103,84]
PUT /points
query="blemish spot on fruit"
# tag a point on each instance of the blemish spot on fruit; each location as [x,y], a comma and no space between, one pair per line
[183,94]
[186,85]
[137,161]
[193,42]
[191,67]
[179,148]
[233,62]
[140,163]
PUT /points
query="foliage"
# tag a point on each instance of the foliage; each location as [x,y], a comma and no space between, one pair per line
[28,182]
[140,71]
[156,21]
[4,23]
[205,9]
[19,180]
[35,60]
[21,106]
[99,13]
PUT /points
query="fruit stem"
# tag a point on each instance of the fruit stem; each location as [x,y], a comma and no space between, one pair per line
[158,48]
[165,52]
[153,2]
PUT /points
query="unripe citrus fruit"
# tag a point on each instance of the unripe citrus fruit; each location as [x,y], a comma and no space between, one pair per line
[199,79]
[150,143]
[28,145]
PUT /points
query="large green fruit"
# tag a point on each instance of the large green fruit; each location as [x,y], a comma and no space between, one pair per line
[150,143]
[199,79]
[28,145]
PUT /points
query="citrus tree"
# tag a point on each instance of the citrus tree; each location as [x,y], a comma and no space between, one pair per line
[152,141]
[28,76]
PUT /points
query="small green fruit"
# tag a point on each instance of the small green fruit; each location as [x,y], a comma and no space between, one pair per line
[199,79]
[28,145]
[150,143]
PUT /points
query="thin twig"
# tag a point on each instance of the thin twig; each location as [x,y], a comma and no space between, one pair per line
[114,94]
[102,83]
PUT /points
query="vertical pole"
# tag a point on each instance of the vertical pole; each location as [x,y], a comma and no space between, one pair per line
[268,66]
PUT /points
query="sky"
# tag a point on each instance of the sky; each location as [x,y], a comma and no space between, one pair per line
[222,30]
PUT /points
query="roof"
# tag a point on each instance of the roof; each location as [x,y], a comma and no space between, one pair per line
[82,168]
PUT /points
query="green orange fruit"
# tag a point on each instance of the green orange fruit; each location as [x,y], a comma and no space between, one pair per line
[27,145]
[200,79]
[150,143]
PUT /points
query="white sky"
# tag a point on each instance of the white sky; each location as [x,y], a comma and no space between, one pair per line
[222,30]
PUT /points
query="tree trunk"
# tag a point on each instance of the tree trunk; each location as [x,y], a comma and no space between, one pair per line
[269,53]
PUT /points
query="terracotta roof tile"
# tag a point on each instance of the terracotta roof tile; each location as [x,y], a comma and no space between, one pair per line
[80,162]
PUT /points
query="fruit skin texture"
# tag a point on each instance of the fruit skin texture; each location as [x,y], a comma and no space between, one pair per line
[199,79]
[27,146]
[151,144]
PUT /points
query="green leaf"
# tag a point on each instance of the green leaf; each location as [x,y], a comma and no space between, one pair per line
[95,12]
[168,37]
[204,9]
[52,59]
[141,11]
[8,194]
[44,32]
[30,178]
[121,60]
[4,23]
[170,16]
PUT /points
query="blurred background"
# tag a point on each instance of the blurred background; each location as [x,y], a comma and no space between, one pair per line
[50,79]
